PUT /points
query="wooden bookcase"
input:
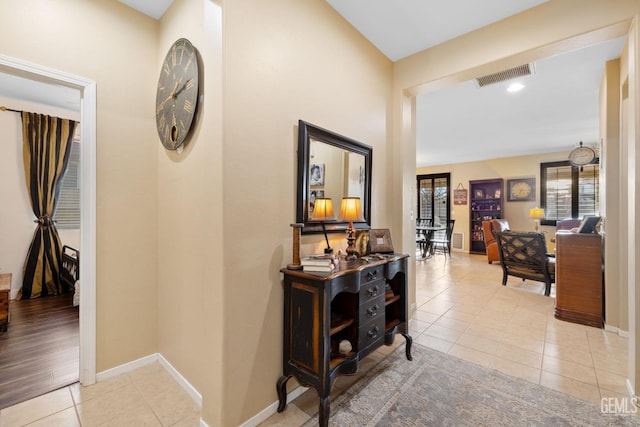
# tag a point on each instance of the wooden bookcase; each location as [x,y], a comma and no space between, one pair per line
[487,202]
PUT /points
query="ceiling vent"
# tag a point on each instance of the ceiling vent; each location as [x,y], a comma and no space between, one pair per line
[500,76]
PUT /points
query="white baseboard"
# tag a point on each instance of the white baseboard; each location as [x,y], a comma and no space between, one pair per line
[271,409]
[126,367]
[186,385]
[615,330]
[630,390]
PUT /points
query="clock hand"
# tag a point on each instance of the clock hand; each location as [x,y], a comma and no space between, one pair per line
[182,87]
[172,95]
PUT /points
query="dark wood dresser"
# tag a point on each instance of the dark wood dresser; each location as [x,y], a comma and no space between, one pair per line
[579,278]
[5,289]
[363,302]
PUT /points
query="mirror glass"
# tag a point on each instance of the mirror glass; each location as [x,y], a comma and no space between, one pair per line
[331,166]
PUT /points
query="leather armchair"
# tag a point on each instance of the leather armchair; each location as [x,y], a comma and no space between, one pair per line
[490,240]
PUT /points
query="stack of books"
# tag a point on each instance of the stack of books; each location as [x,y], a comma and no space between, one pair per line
[321,263]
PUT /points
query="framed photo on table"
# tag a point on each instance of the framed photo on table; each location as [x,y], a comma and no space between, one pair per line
[380,241]
[362,242]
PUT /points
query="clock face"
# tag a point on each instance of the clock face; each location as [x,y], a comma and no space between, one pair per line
[521,190]
[177,94]
[582,156]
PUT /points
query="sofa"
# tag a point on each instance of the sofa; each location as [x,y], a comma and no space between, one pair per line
[488,227]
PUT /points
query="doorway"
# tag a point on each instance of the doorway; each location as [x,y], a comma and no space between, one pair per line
[87,90]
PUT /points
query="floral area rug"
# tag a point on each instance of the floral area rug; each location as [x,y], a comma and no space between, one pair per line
[436,389]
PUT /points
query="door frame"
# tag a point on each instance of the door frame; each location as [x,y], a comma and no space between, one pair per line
[88,113]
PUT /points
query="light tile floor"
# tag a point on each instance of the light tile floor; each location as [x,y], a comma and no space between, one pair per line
[147,396]
[462,310]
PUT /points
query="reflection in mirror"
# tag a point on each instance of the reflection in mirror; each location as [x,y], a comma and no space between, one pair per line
[331,166]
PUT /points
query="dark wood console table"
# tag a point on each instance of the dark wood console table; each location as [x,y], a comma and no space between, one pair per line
[321,310]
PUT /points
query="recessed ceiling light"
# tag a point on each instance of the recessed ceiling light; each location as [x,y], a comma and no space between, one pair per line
[515,87]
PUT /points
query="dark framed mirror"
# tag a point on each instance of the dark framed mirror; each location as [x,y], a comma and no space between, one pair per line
[331,166]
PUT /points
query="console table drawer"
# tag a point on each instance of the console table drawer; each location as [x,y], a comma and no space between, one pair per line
[371,275]
[371,291]
[371,332]
[372,309]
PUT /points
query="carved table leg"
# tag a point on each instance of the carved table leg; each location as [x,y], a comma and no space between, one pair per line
[281,388]
[323,414]
[407,349]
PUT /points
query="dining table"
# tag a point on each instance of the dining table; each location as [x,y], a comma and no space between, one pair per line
[428,231]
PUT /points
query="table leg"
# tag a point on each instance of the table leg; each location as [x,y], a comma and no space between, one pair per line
[323,413]
[281,388]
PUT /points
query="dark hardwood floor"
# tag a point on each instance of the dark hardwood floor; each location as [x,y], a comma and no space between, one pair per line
[39,352]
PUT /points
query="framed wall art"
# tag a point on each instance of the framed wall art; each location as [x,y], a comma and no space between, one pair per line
[521,189]
[460,195]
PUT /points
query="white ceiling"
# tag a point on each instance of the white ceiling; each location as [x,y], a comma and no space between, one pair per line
[557,109]
[402,28]
[153,8]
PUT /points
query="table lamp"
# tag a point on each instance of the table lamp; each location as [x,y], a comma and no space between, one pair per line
[351,210]
[536,214]
[323,211]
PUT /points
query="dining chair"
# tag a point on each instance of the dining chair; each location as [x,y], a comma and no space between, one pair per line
[443,243]
[421,239]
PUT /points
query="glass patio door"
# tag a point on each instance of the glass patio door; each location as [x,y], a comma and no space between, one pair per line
[434,203]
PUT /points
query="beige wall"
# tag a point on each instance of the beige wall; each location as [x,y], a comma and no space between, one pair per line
[191,232]
[106,42]
[517,213]
[187,254]
[284,61]
[616,295]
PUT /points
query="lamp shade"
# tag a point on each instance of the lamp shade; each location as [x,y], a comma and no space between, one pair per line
[322,210]
[536,213]
[351,209]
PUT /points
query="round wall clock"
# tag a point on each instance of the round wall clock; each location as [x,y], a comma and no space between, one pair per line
[582,155]
[177,94]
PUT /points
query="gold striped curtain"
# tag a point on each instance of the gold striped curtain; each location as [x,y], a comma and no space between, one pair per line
[45,150]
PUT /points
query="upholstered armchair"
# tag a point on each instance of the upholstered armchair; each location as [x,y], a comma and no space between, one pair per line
[568,224]
[490,240]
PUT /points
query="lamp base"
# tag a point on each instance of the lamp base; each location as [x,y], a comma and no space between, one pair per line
[352,253]
[328,250]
